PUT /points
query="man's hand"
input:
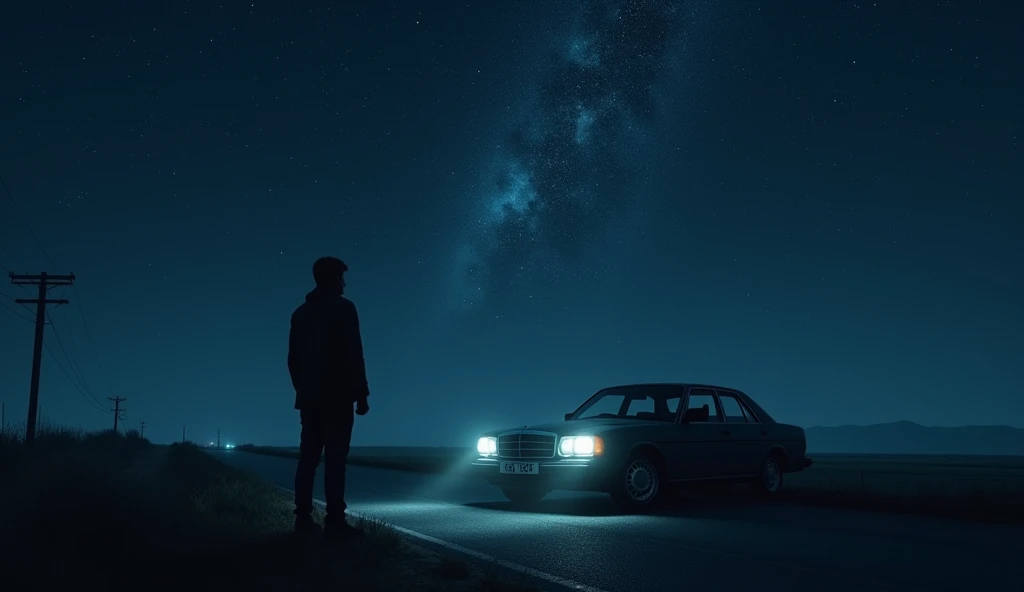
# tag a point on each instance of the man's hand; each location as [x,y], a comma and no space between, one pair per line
[362,406]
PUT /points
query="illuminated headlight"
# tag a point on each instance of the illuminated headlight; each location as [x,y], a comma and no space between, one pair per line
[487,446]
[581,446]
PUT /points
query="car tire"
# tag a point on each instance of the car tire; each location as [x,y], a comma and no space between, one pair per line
[769,479]
[523,495]
[639,483]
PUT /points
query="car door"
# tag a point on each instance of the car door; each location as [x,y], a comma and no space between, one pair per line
[744,438]
[704,441]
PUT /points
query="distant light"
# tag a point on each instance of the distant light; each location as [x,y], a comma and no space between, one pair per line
[230,446]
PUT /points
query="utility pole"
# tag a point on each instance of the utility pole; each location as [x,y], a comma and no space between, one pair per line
[218,439]
[117,409]
[182,434]
[44,281]
[142,429]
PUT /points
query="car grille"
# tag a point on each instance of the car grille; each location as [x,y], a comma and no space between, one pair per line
[526,445]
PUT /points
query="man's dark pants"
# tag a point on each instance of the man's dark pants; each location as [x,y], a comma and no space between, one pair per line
[328,433]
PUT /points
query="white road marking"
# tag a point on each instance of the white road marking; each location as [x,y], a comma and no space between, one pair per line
[529,571]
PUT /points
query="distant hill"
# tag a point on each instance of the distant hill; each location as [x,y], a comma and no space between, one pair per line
[905,437]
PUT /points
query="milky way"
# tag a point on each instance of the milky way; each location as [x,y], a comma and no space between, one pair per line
[559,179]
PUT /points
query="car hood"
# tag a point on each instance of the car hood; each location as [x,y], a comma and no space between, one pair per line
[579,426]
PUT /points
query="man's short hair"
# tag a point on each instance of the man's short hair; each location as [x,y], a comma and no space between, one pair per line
[327,269]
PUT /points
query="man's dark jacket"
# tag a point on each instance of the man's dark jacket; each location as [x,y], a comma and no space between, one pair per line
[325,353]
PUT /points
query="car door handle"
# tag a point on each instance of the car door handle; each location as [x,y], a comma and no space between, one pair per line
[725,432]
[764,433]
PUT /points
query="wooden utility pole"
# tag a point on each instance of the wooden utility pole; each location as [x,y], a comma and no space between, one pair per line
[142,429]
[218,439]
[44,281]
[117,409]
[182,434]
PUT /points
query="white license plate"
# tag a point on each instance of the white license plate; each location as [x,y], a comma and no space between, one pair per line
[519,468]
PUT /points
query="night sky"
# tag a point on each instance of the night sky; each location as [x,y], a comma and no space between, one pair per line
[816,202]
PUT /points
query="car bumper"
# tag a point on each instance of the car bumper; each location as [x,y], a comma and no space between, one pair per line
[578,474]
[806,462]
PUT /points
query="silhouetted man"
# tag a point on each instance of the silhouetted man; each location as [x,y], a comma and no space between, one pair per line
[325,360]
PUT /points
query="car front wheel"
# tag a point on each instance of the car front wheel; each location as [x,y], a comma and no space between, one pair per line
[523,494]
[638,484]
[769,481]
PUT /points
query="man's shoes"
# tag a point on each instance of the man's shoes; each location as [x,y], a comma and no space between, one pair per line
[341,530]
[305,525]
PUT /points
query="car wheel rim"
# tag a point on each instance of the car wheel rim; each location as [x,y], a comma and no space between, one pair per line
[641,481]
[771,475]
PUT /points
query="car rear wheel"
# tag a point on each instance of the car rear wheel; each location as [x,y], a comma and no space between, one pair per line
[769,480]
[523,495]
[638,484]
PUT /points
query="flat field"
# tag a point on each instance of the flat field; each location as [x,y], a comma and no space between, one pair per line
[988,488]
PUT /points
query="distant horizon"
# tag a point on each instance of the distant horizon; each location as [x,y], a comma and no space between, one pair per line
[19,426]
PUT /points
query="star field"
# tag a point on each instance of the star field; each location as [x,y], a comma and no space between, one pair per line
[561,175]
[814,202]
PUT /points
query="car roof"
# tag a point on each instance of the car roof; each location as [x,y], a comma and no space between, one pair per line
[759,411]
[680,384]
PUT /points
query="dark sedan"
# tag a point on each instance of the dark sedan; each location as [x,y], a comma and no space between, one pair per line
[635,441]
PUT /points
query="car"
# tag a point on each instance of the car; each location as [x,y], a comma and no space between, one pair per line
[636,441]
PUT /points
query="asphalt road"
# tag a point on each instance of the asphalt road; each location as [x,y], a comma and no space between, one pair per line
[703,545]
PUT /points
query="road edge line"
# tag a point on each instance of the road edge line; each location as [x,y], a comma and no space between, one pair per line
[516,567]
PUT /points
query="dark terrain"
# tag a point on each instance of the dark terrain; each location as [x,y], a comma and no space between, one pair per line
[905,437]
[110,512]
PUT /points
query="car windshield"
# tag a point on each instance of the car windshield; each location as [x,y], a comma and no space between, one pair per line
[655,402]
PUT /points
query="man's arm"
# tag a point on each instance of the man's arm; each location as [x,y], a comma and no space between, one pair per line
[356,361]
[293,353]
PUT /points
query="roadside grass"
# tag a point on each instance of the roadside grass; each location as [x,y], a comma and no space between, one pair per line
[983,489]
[113,512]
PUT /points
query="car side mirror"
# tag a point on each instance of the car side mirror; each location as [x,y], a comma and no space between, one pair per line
[568,416]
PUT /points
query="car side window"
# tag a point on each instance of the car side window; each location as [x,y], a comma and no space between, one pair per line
[736,411]
[700,407]
[732,408]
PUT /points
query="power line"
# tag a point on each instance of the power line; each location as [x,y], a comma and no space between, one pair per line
[16,263]
[25,306]
[88,335]
[72,361]
[9,271]
[66,375]
[73,346]
[17,208]
[15,312]
[75,370]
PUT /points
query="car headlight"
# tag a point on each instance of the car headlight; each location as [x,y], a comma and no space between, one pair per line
[487,446]
[581,446]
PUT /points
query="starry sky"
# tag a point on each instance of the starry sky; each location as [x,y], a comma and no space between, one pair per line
[810,201]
